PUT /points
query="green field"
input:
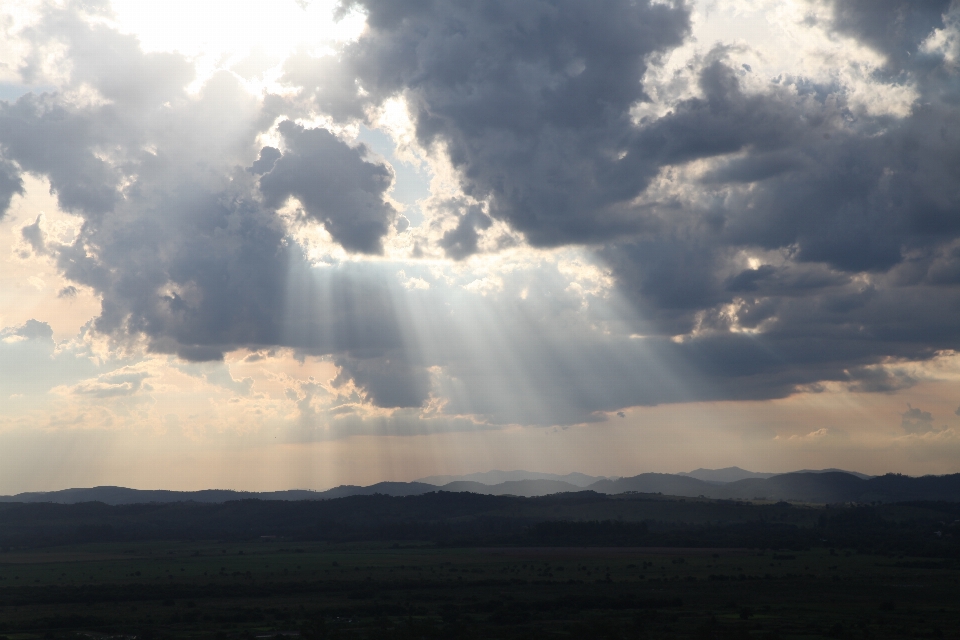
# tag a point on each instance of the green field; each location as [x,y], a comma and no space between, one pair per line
[418,590]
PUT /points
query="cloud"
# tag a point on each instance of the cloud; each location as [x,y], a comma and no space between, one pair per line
[31,362]
[850,214]
[268,158]
[11,184]
[388,381]
[33,330]
[217,373]
[178,250]
[114,384]
[822,439]
[915,420]
[56,135]
[895,28]
[33,234]
[259,355]
[460,242]
[334,183]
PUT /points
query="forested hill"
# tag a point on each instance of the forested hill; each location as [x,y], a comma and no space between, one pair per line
[468,519]
[822,488]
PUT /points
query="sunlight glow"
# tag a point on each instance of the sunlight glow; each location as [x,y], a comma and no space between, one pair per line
[250,37]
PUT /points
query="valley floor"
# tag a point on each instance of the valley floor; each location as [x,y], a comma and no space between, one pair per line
[419,590]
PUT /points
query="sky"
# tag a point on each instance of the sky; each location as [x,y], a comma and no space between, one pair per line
[297,244]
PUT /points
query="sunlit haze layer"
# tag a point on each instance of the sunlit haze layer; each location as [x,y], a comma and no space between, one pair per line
[297,244]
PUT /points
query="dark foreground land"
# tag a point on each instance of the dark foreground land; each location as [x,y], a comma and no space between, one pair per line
[449,566]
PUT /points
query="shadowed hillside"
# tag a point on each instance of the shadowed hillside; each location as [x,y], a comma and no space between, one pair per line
[472,519]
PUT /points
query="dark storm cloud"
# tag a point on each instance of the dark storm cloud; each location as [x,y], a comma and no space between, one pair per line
[205,277]
[532,102]
[268,158]
[859,211]
[461,241]
[530,99]
[389,380]
[893,27]
[335,184]
[852,192]
[868,200]
[49,138]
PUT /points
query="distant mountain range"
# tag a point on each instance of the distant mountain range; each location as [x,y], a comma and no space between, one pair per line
[733,474]
[498,477]
[826,486]
[725,475]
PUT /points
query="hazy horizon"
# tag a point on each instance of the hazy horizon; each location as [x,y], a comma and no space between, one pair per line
[520,476]
[309,243]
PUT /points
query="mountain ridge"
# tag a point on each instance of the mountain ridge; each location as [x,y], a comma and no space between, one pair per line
[803,486]
[496,476]
[727,474]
